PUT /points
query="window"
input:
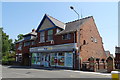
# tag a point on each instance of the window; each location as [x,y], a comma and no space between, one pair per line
[50,35]
[93,39]
[42,36]
[66,36]
[33,42]
[20,46]
[26,43]
[27,37]
[60,54]
[84,42]
[61,59]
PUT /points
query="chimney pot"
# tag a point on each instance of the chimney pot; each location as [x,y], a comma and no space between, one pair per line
[33,30]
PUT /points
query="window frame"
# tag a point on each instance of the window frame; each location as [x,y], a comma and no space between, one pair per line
[50,35]
[42,35]
[68,36]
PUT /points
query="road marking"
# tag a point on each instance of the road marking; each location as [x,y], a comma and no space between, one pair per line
[105,74]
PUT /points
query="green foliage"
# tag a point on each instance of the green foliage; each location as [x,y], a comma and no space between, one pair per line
[20,37]
[8,53]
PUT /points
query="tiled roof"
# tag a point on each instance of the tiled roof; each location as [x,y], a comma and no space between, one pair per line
[56,22]
[74,25]
[31,33]
[19,41]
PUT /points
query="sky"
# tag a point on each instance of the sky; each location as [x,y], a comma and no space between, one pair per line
[22,17]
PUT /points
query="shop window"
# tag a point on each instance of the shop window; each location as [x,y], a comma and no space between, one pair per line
[42,36]
[36,59]
[66,36]
[69,59]
[60,54]
[50,35]
[53,58]
[61,59]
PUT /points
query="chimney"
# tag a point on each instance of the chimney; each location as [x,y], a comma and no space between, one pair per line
[33,30]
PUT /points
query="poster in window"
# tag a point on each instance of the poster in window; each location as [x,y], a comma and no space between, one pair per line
[69,60]
[61,60]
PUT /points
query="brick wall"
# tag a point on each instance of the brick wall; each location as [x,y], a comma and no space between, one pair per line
[90,48]
[57,39]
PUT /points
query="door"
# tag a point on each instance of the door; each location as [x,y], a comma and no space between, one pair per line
[46,60]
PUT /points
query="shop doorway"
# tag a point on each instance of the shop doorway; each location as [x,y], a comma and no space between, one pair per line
[46,60]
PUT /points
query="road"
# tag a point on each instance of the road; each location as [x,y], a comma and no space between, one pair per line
[14,72]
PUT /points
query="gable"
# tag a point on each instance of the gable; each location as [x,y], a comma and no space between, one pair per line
[46,24]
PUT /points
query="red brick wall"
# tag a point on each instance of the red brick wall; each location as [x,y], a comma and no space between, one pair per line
[57,39]
[90,49]
[16,48]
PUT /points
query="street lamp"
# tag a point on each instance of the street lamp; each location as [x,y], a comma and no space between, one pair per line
[71,7]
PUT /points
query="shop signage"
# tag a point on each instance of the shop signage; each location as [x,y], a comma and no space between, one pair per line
[55,48]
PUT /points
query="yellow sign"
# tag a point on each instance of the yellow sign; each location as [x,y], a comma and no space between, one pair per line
[115,75]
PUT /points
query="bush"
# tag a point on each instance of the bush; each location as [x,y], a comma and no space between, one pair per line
[8,58]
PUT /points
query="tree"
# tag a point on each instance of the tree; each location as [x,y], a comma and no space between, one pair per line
[20,37]
[7,48]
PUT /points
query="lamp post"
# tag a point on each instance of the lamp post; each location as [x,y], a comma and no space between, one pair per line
[71,7]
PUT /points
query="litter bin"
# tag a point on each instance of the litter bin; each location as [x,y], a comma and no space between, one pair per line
[115,75]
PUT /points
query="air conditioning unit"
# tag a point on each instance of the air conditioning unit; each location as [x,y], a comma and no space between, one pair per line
[52,42]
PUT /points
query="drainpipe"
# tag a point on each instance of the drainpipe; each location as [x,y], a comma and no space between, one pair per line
[74,50]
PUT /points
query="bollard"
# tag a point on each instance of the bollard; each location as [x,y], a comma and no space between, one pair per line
[115,75]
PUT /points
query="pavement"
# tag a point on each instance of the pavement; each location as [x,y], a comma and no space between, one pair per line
[28,72]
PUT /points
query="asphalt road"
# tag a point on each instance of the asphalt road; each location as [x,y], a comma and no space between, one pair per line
[12,72]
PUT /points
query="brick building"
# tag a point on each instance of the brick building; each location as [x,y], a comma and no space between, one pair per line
[117,57]
[64,45]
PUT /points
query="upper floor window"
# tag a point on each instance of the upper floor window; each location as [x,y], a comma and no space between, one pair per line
[20,46]
[42,36]
[50,35]
[66,36]
[27,37]
[33,42]
[26,43]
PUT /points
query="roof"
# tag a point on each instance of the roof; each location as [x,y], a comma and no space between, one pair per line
[74,25]
[19,41]
[56,22]
[31,33]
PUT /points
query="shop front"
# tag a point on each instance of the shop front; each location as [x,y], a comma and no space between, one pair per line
[53,56]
